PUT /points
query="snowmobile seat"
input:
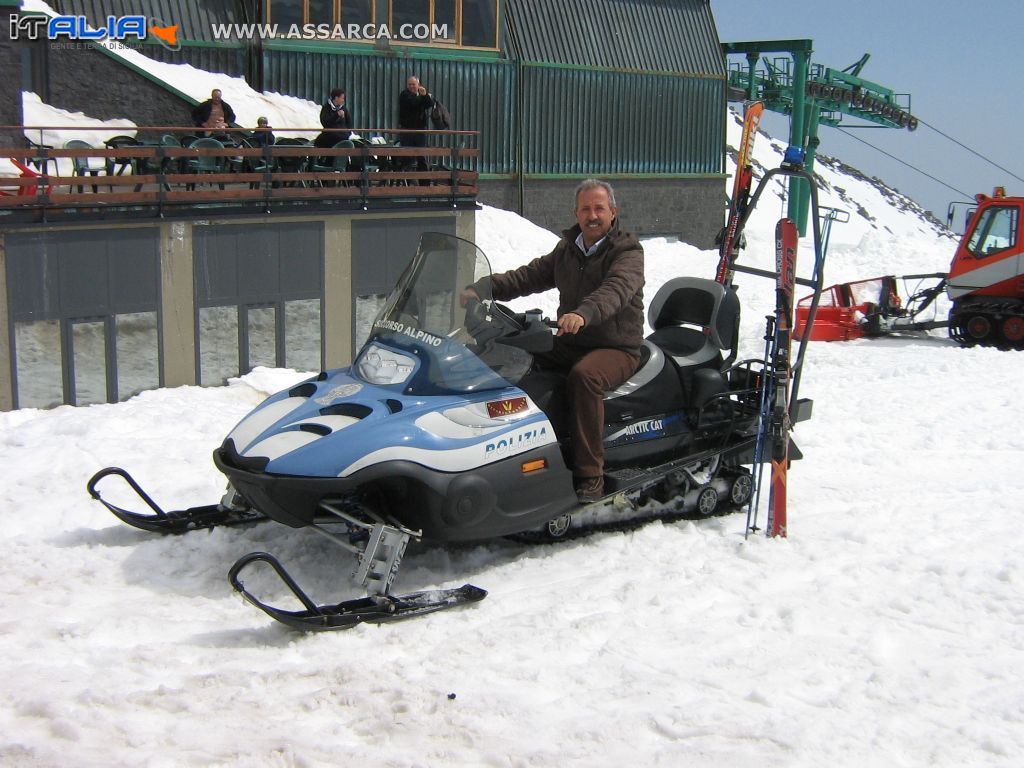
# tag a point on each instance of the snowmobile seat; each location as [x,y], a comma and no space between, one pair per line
[647,390]
[695,320]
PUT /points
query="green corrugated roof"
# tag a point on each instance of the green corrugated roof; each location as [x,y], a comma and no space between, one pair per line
[671,36]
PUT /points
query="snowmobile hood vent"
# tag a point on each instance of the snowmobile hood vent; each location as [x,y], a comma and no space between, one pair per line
[355,410]
[303,390]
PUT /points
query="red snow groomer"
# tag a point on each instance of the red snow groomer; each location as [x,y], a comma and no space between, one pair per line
[985,285]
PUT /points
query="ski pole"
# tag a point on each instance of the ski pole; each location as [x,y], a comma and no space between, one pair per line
[754,502]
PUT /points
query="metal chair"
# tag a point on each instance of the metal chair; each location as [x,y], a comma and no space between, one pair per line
[293,164]
[251,164]
[116,166]
[205,163]
[85,166]
[335,163]
[42,164]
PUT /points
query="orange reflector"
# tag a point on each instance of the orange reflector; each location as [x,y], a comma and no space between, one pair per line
[497,408]
[533,466]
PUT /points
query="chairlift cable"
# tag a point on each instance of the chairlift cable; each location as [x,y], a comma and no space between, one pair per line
[973,152]
[904,162]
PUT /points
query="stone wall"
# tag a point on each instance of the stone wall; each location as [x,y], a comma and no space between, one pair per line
[83,79]
[10,85]
[691,209]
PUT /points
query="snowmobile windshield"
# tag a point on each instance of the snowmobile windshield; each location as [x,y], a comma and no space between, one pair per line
[427,340]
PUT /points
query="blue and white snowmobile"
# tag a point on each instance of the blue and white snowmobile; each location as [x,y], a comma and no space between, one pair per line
[441,430]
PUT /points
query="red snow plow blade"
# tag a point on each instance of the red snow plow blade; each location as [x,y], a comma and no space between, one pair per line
[870,307]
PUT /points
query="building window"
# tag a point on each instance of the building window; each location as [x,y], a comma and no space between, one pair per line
[467,23]
[323,13]
[356,12]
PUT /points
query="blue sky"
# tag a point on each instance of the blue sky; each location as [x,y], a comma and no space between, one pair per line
[960,62]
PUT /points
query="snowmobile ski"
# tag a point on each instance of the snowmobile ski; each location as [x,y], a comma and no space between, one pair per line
[742,183]
[179,521]
[376,609]
[780,424]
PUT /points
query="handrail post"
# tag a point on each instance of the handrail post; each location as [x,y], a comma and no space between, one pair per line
[453,159]
[364,182]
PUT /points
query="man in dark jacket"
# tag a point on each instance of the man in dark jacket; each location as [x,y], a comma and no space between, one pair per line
[213,113]
[334,114]
[414,104]
[598,270]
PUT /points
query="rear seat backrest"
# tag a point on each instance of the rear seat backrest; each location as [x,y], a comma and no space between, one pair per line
[694,301]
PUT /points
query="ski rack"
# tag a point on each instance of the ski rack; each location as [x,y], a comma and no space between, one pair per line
[795,409]
[817,275]
[377,563]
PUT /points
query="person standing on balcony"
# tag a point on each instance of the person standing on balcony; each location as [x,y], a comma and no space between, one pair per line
[334,114]
[414,105]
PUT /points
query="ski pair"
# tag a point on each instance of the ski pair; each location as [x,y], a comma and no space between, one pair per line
[743,180]
[775,421]
[775,418]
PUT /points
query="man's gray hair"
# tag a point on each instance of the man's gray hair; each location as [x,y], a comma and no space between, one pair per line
[592,184]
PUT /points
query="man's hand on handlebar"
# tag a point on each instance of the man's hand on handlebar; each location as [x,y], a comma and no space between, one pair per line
[570,323]
[467,295]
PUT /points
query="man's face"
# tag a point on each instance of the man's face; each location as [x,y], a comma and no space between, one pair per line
[594,214]
[215,95]
[338,100]
[412,84]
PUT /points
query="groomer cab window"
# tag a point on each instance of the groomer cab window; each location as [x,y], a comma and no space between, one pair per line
[994,231]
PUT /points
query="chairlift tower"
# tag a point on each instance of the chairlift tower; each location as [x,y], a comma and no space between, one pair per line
[811,94]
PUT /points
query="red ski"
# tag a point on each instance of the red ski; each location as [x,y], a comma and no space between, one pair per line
[742,182]
[785,265]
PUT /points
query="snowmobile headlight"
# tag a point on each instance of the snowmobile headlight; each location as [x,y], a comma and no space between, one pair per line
[383,366]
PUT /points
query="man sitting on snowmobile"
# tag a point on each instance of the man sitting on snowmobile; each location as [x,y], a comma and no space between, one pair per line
[598,270]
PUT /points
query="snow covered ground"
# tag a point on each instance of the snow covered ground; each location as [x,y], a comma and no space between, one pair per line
[887,630]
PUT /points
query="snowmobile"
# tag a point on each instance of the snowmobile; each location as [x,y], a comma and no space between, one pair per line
[442,430]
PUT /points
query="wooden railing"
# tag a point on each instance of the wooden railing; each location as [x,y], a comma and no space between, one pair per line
[154,177]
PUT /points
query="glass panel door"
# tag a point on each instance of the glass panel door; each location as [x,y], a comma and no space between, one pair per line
[218,345]
[89,357]
[138,353]
[38,354]
[262,337]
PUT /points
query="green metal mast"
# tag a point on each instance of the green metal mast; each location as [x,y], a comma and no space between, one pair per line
[811,95]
